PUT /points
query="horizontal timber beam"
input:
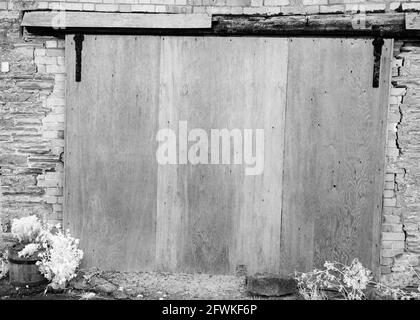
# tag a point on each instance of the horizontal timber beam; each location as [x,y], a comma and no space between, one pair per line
[72,19]
[374,24]
[331,24]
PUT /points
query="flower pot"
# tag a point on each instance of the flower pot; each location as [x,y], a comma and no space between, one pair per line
[23,271]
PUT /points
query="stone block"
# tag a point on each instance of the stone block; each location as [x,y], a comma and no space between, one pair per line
[314,2]
[412,6]
[389,193]
[142,8]
[106,7]
[390,202]
[88,7]
[51,44]
[393,236]
[270,285]
[332,9]
[274,3]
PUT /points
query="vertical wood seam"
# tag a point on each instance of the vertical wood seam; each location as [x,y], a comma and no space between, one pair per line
[156,262]
[66,150]
[284,152]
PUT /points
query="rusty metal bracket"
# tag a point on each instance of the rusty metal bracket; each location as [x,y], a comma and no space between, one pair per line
[78,42]
[377,52]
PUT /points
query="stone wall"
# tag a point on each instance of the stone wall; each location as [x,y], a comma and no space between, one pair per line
[32,105]
[401,219]
[31,124]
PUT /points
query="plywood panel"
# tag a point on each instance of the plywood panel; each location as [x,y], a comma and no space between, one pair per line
[112,118]
[214,218]
[334,152]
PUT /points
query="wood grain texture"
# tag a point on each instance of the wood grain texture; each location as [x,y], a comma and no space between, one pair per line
[213,218]
[116,20]
[334,153]
[319,197]
[389,24]
[384,24]
[25,275]
[112,118]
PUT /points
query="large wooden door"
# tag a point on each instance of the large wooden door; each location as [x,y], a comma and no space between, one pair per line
[319,196]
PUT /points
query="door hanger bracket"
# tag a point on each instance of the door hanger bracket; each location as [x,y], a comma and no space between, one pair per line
[78,44]
[377,52]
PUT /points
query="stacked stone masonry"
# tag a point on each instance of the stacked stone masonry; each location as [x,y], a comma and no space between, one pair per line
[32,124]
[401,218]
[32,103]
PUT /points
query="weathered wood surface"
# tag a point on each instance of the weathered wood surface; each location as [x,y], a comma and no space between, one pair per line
[412,21]
[372,24]
[23,270]
[110,174]
[325,24]
[380,98]
[214,218]
[312,96]
[69,19]
[334,153]
[208,218]
[25,275]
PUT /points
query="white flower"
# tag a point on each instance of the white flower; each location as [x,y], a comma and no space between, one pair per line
[29,250]
[26,229]
[61,258]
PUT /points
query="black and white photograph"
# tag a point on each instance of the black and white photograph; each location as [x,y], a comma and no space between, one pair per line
[209,158]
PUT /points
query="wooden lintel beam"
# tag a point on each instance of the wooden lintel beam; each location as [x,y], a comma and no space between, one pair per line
[339,24]
[72,19]
[372,24]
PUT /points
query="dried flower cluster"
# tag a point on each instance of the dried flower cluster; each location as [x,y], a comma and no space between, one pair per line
[29,250]
[60,257]
[350,282]
[26,229]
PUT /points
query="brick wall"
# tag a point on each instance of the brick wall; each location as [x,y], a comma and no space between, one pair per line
[401,220]
[217,6]
[32,116]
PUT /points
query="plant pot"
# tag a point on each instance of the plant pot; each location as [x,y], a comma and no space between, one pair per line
[23,271]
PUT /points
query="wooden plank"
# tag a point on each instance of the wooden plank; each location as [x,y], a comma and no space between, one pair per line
[115,20]
[325,24]
[380,97]
[334,153]
[214,218]
[412,21]
[112,118]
